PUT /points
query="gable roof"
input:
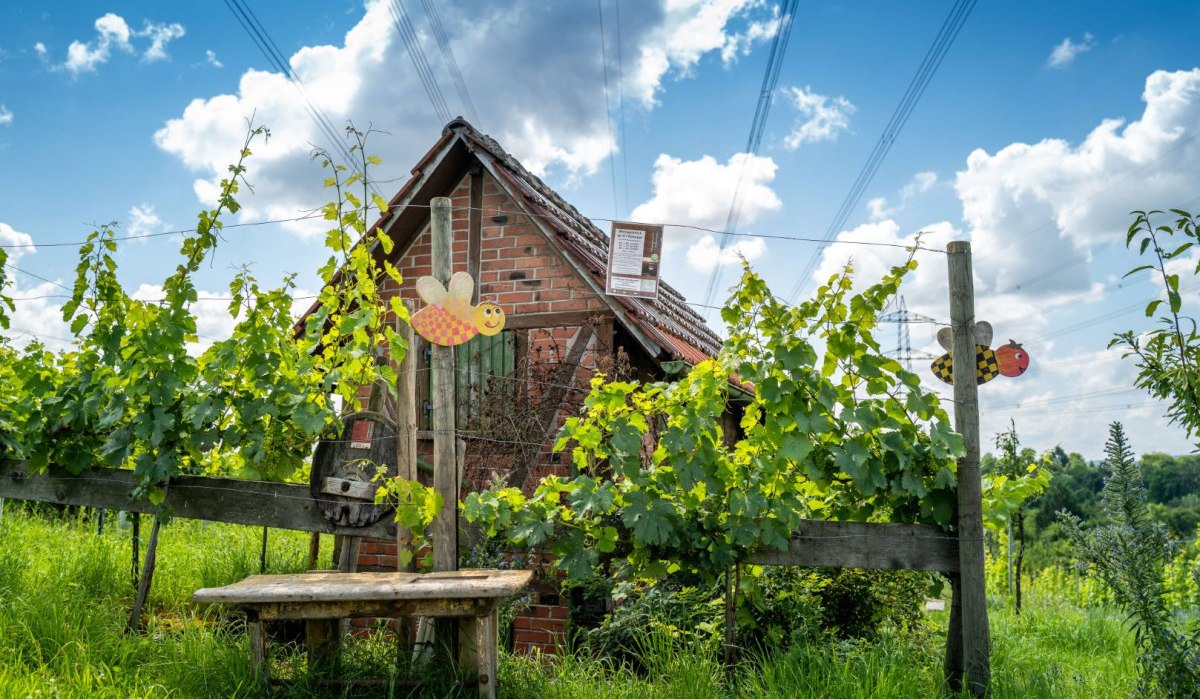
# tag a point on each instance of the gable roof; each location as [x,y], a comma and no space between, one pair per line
[667,327]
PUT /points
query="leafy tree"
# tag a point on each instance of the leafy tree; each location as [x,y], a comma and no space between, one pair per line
[834,430]
[1130,554]
[1014,481]
[1168,356]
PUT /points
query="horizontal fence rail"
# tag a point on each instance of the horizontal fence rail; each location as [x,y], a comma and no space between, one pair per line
[818,544]
[237,501]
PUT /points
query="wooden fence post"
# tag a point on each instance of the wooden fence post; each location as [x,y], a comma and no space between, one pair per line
[445,462]
[406,425]
[972,591]
[442,383]
[406,461]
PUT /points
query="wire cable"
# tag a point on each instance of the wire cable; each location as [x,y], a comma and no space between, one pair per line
[934,56]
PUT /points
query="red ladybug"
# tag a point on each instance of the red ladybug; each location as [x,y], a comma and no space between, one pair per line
[1012,359]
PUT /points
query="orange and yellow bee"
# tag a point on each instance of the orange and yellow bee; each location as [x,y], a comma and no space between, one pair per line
[448,318]
[1008,360]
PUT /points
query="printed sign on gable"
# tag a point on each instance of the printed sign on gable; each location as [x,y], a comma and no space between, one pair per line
[634,257]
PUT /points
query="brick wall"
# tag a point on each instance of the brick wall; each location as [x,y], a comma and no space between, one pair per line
[521,272]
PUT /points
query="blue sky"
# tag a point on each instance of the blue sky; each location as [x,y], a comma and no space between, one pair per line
[127,111]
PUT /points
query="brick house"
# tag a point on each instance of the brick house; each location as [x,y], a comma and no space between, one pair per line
[543,262]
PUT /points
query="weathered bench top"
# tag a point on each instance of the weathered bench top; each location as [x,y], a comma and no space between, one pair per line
[348,587]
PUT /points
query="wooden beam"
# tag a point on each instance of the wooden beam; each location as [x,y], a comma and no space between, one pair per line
[406,424]
[475,230]
[441,374]
[818,544]
[254,503]
[560,319]
[976,637]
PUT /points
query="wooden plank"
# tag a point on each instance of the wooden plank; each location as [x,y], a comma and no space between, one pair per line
[260,655]
[560,319]
[322,636]
[489,656]
[445,481]
[340,612]
[475,230]
[347,488]
[818,544]
[975,634]
[254,503]
[331,586]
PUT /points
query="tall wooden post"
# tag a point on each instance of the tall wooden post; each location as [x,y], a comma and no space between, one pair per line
[445,462]
[406,425]
[976,642]
[406,461]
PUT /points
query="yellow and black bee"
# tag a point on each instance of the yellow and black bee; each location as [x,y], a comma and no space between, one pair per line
[1009,360]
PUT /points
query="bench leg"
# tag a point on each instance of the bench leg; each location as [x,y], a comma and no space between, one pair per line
[477,650]
[322,638]
[260,657]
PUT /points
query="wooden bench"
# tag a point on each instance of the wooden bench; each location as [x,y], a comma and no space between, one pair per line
[323,598]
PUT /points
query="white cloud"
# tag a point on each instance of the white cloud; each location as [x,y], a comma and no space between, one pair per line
[6,116]
[920,183]
[821,118]
[688,30]
[1065,53]
[1036,211]
[143,221]
[536,93]
[38,306]
[112,31]
[160,35]
[742,43]
[704,255]
[40,49]
[699,193]
[211,57]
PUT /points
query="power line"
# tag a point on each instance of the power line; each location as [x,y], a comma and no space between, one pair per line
[270,50]
[621,106]
[416,54]
[612,141]
[934,56]
[443,42]
[766,93]
[143,236]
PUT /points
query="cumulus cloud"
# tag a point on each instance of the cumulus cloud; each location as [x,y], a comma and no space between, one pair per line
[38,307]
[6,116]
[143,221]
[113,33]
[160,35]
[1036,211]
[1065,53]
[211,57]
[536,93]
[686,31]
[705,255]
[920,183]
[699,193]
[822,118]
[40,49]
[742,43]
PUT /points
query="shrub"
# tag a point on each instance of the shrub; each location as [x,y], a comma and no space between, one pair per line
[1130,553]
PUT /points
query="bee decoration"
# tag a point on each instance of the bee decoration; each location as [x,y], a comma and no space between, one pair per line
[1007,360]
[448,318]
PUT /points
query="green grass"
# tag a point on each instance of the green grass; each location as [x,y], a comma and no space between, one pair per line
[65,595]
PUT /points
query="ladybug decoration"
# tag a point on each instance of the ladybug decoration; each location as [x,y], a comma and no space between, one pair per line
[1007,360]
[448,318]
